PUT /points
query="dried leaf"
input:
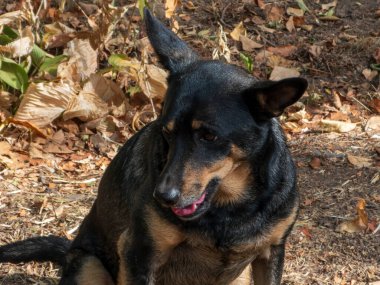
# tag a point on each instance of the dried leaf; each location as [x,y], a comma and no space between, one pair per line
[170,6]
[248,44]
[359,161]
[374,103]
[315,163]
[44,102]
[336,99]
[109,92]
[359,224]
[238,31]
[306,232]
[369,74]
[6,99]
[295,12]
[99,97]
[56,148]
[12,159]
[283,51]
[274,60]
[28,125]
[266,29]
[274,13]
[297,116]
[10,17]
[292,127]
[290,24]
[337,126]
[82,63]
[376,55]
[307,27]
[329,18]
[24,45]
[280,72]
[298,21]
[329,5]
[86,106]
[339,116]
[315,50]
[153,82]
[260,3]
[57,35]
[372,126]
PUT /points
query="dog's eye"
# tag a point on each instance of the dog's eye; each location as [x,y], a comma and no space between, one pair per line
[208,137]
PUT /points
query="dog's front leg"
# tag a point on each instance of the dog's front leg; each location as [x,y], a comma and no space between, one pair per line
[267,270]
[136,260]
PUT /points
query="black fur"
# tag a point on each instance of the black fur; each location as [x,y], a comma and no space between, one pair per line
[214,113]
[50,248]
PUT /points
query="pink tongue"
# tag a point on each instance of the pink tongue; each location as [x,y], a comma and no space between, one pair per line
[190,209]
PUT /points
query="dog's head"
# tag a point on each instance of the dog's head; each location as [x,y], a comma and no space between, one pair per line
[215,119]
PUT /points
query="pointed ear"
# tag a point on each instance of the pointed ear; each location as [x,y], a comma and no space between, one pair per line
[269,99]
[173,53]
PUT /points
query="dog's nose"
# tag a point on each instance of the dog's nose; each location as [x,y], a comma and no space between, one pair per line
[169,197]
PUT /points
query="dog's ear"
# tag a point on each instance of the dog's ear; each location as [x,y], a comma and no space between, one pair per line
[268,99]
[173,53]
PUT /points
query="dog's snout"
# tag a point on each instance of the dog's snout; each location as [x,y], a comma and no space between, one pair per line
[168,197]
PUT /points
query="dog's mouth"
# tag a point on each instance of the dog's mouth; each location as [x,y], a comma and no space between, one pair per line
[191,209]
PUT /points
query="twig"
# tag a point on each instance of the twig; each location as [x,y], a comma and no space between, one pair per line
[223,14]
[265,39]
[376,230]
[338,217]
[87,181]
[364,106]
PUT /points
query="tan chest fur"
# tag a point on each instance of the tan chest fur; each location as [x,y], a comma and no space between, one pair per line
[199,263]
[191,259]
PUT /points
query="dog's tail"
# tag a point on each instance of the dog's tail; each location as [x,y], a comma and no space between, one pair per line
[49,248]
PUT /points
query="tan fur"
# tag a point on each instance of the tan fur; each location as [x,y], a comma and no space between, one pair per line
[194,177]
[279,230]
[245,277]
[233,187]
[170,126]
[261,246]
[232,170]
[122,278]
[165,235]
[195,124]
[93,272]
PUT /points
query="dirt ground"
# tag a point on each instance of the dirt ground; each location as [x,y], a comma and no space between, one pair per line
[45,199]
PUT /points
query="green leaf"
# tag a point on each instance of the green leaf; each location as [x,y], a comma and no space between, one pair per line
[8,31]
[121,61]
[248,62]
[26,64]
[4,39]
[375,66]
[50,65]
[142,4]
[330,12]
[38,55]
[13,74]
[302,5]
[132,90]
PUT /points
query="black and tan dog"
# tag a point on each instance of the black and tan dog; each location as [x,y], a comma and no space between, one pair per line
[204,195]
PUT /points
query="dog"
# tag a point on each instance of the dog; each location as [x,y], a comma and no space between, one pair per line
[205,194]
